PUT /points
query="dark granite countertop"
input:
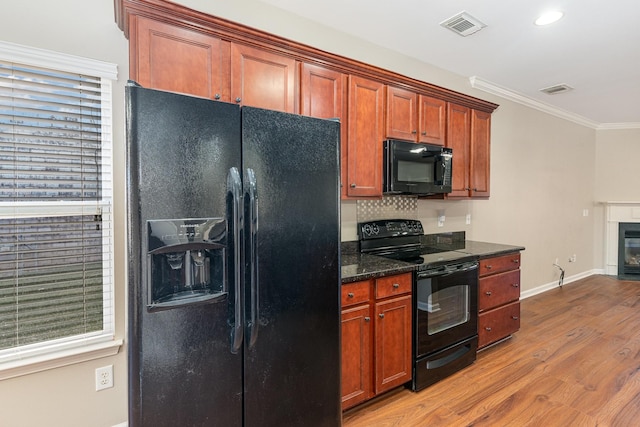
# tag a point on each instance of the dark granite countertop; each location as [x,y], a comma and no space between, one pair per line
[357,266]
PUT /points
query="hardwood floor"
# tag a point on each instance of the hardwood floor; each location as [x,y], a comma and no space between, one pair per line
[574,362]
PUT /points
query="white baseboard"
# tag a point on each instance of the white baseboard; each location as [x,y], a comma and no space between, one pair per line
[124,424]
[546,287]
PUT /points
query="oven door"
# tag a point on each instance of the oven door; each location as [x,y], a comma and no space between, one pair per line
[446,307]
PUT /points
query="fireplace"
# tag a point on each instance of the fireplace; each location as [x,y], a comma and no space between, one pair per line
[629,250]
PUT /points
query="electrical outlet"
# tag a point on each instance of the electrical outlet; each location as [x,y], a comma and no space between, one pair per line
[468,219]
[572,258]
[104,377]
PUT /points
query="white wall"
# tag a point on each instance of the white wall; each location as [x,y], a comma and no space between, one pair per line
[542,177]
[67,396]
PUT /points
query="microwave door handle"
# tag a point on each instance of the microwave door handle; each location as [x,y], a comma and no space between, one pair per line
[234,203]
[251,192]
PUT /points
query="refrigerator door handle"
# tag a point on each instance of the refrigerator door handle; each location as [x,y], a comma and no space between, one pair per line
[234,203]
[251,195]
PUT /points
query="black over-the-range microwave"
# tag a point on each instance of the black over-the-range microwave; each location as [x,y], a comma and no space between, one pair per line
[416,168]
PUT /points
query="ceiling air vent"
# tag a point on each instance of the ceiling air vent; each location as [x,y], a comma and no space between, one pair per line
[556,89]
[463,24]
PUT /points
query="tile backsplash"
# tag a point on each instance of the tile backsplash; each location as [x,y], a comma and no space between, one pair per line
[389,207]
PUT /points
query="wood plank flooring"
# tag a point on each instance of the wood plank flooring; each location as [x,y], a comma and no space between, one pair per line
[574,362]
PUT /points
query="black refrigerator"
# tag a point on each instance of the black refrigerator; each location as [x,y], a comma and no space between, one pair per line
[234,264]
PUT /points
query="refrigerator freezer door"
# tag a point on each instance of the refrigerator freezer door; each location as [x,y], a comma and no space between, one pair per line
[182,371]
[292,370]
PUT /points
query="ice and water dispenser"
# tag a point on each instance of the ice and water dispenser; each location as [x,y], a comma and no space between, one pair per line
[186,261]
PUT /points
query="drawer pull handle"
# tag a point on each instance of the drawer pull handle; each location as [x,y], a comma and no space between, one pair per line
[514,317]
[488,293]
[516,285]
[489,267]
[488,329]
[516,261]
[381,315]
[367,318]
[396,286]
[350,295]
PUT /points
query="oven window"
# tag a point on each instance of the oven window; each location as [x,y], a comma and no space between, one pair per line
[446,308]
[415,171]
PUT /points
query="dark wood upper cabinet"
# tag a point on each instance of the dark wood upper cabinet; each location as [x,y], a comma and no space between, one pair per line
[458,131]
[263,79]
[364,138]
[402,114]
[480,147]
[176,59]
[432,118]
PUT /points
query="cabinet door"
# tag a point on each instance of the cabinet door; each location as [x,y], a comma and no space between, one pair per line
[480,153]
[497,324]
[393,343]
[402,116]
[432,117]
[357,385]
[458,128]
[262,79]
[365,136]
[176,59]
[322,95]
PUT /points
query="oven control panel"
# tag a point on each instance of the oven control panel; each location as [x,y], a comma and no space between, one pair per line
[389,228]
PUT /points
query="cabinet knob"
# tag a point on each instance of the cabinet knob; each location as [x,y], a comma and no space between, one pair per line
[516,261]
[238,100]
[367,318]
[488,293]
[488,329]
[424,133]
[381,315]
[216,96]
[350,295]
[353,185]
[414,132]
[396,286]
[489,267]
[516,285]
[514,317]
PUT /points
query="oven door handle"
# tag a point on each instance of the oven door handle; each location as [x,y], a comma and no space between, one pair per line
[448,271]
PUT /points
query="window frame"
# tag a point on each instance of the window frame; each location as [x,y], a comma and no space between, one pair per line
[61,352]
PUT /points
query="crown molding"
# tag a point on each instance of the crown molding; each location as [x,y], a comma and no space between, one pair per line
[486,86]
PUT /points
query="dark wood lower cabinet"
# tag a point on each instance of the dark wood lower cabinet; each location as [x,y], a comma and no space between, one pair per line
[376,337]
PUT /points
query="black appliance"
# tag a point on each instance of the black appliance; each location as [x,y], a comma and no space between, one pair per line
[445,297]
[416,168]
[234,264]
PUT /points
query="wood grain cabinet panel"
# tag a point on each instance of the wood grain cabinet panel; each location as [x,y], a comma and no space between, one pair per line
[357,330]
[498,298]
[432,120]
[262,79]
[393,343]
[480,147]
[402,114]
[177,59]
[364,138]
[376,337]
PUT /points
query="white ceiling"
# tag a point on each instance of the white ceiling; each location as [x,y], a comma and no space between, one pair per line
[594,48]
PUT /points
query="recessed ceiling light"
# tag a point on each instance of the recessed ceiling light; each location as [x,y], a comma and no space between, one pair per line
[549,17]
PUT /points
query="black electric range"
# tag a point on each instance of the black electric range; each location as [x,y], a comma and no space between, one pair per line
[401,239]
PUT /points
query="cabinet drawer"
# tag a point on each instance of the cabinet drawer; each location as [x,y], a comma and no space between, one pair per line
[496,324]
[498,289]
[499,264]
[355,293]
[393,285]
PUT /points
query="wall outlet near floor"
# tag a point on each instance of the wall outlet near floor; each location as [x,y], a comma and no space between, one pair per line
[468,219]
[572,258]
[104,377]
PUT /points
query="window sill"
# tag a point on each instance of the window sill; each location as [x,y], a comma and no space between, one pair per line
[59,359]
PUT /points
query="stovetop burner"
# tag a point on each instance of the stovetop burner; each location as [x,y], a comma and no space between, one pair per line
[400,239]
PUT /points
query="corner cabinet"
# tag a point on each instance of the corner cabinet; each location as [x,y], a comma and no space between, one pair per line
[498,298]
[469,135]
[376,337]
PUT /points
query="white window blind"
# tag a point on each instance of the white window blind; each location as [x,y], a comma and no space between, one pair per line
[56,228]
